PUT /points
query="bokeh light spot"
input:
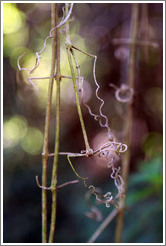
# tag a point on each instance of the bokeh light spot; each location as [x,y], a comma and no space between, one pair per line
[14,130]
[12,18]
[32,142]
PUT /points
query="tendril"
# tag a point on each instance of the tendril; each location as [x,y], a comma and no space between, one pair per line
[37,62]
[123,94]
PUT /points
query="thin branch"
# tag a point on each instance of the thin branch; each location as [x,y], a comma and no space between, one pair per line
[47,77]
[67,153]
[128,120]
[58,187]
[57,128]
[40,186]
[69,49]
[114,146]
[118,41]
[67,183]
[68,157]
[103,225]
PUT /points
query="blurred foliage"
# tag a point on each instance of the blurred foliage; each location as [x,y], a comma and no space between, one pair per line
[93,29]
[152,144]
[144,217]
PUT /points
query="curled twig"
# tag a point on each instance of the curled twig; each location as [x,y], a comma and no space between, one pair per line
[96,117]
[107,150]
[119,183]
[94,212]
[113,146]
[18,63]
[64,19]
[107,198]
[123,94]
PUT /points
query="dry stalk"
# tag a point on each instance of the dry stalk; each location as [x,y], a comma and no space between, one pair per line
[128,120]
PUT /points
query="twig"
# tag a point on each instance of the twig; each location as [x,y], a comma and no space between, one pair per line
[69,49]
[40,186]
[128,120]
[114,146]
[103,225]
[67,183]
[68,157]
[118,41]
[58,187]
[57,127]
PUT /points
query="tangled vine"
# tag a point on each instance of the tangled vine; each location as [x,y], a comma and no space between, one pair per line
[112,145]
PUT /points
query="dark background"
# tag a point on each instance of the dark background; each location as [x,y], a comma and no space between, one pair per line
[93,29]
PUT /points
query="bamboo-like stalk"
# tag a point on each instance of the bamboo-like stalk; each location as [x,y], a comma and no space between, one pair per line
[128,120]
[57,129]
[69,50]
[46,134]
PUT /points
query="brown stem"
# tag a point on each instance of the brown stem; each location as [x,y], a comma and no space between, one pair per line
[145,43]
[103,225]
[145,30]
[128,120]
[69,54]
[46,136]
[57,129]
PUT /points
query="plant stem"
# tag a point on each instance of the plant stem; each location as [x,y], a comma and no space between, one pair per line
[145,30]
[46,136]
[103,225]
[57,129]
[69,52]
[128,120]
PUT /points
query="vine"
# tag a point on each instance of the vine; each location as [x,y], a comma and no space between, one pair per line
[107,149]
